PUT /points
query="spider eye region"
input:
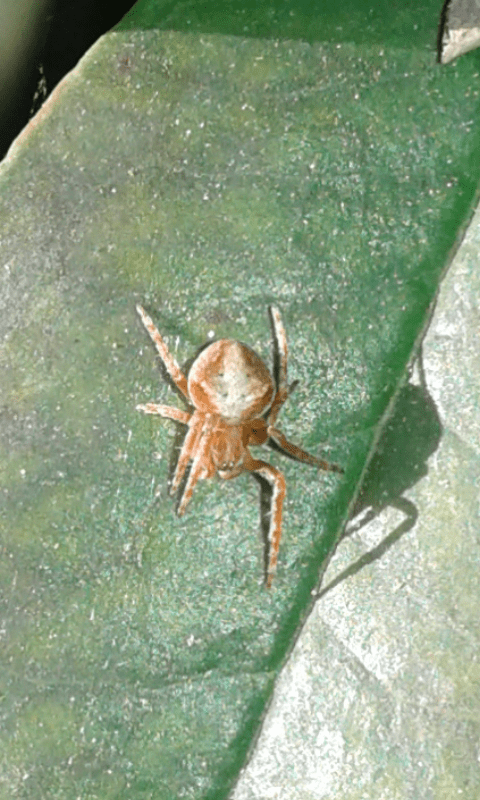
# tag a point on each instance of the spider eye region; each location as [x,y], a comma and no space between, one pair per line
[255,432]
[230,379]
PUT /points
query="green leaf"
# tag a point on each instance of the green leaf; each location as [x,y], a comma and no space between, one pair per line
[205,176]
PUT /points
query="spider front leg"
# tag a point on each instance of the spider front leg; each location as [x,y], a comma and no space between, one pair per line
[189,448]
[198,447]
[283,390]
[277,482]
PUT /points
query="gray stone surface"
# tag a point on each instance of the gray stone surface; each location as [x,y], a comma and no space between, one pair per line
[380,698]
[461,32]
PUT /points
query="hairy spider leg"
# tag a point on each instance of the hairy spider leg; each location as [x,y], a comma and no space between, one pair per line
[190,446]
[281,347]
[171,365]
[299,454]
[277,482]
[201,458]
[169,412]
[283,390]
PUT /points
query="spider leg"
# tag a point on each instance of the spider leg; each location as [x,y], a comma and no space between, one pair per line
[199,465]
[281,354]
[277,482]
[298,453]
[190,446]
[166,411]
[170,364]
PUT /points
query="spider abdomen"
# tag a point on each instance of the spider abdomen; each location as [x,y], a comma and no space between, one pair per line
[230,379]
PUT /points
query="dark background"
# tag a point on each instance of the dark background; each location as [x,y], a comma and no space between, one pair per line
[62,33]
[52,35]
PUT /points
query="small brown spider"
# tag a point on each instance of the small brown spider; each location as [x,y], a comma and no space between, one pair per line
[235,405]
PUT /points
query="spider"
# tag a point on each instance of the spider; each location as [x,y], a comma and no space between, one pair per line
[235,404]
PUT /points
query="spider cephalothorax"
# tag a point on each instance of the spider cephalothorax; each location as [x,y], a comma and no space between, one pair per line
[235,404]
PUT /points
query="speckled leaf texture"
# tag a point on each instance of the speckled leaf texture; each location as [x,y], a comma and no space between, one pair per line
[205,165]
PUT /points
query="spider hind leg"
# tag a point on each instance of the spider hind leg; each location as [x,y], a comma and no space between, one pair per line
[169,412]
[280,364]
[299,454]
[169,362]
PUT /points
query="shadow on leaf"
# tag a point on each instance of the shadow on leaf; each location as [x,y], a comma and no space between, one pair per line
[411,435]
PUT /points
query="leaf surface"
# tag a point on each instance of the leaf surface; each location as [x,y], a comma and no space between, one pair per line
[205,175]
